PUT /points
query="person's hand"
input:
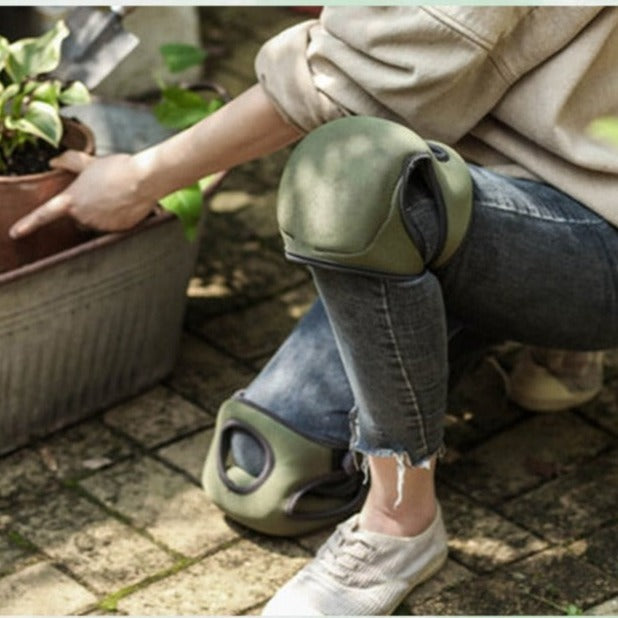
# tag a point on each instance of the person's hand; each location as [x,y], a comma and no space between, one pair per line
[104,196]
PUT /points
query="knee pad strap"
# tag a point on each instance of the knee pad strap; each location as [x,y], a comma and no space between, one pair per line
[343,190]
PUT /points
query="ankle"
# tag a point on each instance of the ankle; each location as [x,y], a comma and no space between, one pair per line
[403,520]
[401,500]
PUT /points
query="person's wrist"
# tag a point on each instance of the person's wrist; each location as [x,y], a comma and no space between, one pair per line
[144,185]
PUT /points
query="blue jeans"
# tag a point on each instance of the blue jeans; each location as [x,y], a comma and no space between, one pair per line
[369,365]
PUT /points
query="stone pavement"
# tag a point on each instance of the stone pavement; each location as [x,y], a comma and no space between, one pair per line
[107,516]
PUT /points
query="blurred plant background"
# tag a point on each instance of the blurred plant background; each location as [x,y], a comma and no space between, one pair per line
[606,129]
[180,108]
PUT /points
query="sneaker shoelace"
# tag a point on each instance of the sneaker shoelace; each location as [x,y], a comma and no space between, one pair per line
[346,557]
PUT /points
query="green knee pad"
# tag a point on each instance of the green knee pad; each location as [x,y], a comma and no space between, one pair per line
[303,486]
[343,190]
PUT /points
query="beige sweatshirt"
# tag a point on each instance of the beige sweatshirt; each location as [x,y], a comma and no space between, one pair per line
[511,87]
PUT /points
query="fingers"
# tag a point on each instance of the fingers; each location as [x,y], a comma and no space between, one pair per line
[53,209]
[58,206]
[72,161]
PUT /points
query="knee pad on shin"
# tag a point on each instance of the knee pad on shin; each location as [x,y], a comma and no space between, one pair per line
[301,487]
[343,193]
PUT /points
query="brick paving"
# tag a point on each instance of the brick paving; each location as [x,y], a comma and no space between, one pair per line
[108,517]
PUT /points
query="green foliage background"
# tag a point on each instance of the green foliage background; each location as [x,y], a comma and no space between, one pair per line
[180,108]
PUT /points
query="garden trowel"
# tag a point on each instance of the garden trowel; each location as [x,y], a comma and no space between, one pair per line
[97,43]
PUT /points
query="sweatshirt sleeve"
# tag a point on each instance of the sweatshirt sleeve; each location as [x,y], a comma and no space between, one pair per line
[420,66]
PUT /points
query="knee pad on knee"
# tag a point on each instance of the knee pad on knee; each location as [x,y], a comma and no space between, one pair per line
[302,485]
[343,194]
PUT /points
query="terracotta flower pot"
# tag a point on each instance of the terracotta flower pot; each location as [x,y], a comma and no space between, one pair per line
[21,194]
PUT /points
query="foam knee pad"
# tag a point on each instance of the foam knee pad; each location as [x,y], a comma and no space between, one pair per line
[343,194]
[301,487]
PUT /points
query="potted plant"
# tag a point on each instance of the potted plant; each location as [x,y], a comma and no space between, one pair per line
[31,132]
[89,326]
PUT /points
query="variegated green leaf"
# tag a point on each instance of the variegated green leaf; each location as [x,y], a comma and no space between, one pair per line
[6,95]
[47,92]
[33,56]
[75,94]
[30,87]
[4,51]
[41,120]
[15,105]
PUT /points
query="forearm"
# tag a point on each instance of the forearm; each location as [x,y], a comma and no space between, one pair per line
[246,128]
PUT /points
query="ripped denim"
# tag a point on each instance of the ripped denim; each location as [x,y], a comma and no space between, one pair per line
[536,267]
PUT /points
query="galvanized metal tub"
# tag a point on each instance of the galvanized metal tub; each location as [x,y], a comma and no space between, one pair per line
[96,324]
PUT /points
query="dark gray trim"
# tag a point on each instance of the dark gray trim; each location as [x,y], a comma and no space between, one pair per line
[343,268]
[422,163]
[223,449]
[327,479]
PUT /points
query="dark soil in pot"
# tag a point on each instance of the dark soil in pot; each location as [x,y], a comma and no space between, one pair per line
[32,159]
[20,194]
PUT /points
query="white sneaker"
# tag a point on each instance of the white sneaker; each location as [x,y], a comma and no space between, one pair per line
[361,573]
[553,385]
